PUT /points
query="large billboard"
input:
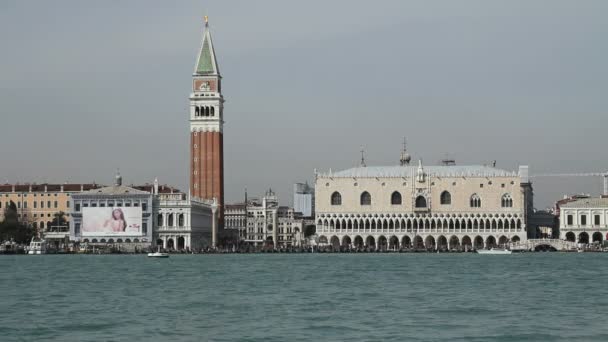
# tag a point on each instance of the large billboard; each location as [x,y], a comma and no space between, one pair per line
[111,221]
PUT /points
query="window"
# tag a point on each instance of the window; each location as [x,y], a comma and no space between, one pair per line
[396,198]
[445,198]
[144,206]
[506,201]
[55,204]
[366,198]
[0,204]
[144,227]
[475,201]
[67,204]
[18,205]
[336,198]
[24,205]
[77,228]
[35,204]
[420,202]
[170,220]
[41,204]
[93,205]
[77,207]
[596,220]
[48,204]
[583,220]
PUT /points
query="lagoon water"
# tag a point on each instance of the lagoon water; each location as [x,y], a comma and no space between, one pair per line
[305,297]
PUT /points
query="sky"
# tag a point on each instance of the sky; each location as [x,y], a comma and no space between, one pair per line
[90,87]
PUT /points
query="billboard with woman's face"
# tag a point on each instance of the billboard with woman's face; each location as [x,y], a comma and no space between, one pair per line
[111,221]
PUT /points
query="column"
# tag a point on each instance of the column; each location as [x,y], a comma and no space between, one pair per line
[214,224]
[275,229]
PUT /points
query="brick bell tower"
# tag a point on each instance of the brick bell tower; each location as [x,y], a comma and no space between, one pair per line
[206,127]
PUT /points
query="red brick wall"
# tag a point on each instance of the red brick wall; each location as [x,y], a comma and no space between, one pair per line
[209,166]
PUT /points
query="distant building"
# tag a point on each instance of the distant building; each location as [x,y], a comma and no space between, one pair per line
[115,214]
[235,220]
[38,204]
[265,222]
[130,217]
[544,225]
[439,207]
[584,220]
[304,199]
[182,222]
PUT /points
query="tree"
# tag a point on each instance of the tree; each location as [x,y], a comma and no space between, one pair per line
[12,229]
[58,220]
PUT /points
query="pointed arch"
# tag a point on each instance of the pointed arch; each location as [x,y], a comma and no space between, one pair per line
[336,198]
[506,201]
[445,198]
[475,201]
[365,198]
[396,198]
[420,202]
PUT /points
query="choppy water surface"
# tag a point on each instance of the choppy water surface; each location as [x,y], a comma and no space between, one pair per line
[322,297]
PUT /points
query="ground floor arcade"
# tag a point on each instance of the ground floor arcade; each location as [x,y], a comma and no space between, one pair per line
[173,241]
[585,236]
[418,241]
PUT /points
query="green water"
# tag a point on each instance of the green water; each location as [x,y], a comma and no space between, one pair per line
[320,297]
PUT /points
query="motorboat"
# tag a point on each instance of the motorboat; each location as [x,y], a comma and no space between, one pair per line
[158,254]
[494,251]
[37,247]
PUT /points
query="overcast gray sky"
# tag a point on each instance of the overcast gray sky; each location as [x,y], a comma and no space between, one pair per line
[88,87]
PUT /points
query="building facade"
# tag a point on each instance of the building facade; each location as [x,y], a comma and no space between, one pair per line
[304,199]
[183,223]
[438,207]
[584,220]
[265,222]
[39,204]
[111,224]
[206,128]
[235,220]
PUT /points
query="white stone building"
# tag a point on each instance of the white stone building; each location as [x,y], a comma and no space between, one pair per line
[170,219]
[184,223]
[439,207]
[584,220]
[265,222]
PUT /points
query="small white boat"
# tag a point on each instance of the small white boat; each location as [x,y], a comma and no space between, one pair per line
[37,247]
[493,251]
[158,254]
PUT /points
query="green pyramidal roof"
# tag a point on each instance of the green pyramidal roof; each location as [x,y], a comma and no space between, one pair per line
[206,60]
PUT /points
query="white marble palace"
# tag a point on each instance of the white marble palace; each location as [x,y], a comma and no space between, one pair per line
[438,207]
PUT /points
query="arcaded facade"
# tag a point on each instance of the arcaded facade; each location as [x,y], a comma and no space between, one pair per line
[439,207]
[584,220]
